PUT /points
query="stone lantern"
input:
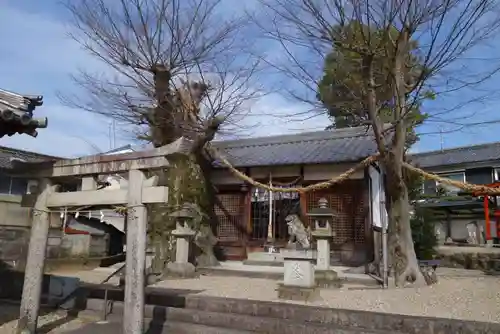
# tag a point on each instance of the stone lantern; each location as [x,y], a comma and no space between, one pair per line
[323,218]
[183,234]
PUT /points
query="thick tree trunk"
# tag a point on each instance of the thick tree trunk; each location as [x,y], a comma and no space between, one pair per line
[403,259]
[188,177]
[187,183]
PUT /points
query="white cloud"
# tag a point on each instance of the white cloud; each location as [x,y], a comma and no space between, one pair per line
[274,114]
[37,58]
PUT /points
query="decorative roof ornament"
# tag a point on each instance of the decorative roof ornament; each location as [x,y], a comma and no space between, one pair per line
[16,114]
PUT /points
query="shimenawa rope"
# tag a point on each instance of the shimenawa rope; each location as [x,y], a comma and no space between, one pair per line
[344,176]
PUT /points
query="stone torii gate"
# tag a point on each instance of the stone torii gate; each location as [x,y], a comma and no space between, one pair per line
[134,194]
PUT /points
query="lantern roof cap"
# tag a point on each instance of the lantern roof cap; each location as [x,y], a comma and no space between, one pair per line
[322,210]
[184,212]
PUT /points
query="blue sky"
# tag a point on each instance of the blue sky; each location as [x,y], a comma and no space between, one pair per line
[37,57]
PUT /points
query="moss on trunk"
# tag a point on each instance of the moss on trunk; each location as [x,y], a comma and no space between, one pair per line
[186,184]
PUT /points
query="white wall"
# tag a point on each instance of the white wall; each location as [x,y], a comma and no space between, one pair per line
[311,173]
[326,172]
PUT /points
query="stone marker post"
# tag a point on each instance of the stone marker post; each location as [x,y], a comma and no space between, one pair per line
[299,281]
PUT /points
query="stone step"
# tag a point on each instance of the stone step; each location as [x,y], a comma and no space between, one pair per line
[278,275]
[302,314]
[114,326]
[264,259]
[236,323]
[384,322]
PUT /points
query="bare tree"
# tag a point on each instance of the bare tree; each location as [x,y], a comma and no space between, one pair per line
[171,69]
[447,32]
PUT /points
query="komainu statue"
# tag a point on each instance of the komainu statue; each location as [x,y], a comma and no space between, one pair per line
[298,233]
[204,239]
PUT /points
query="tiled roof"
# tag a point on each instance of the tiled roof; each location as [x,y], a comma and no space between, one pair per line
[459,155]
[331,146]
[16,114]
[7,155]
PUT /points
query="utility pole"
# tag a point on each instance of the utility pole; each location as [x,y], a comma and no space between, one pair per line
[112,134]
[441,138]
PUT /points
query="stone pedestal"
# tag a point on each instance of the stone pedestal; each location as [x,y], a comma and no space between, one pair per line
[325,276]
[323,248]
[182,267]
[299,277]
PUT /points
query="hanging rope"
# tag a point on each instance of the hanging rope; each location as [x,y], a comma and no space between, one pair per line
[462,185]
[344,176]
[317,186]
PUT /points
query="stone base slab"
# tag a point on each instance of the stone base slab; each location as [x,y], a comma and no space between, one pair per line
[264,259]
[264,263]
[326,274]
[298,293]
[327,279]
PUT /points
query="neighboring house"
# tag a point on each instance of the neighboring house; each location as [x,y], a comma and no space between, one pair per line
[15,221]
[85,237]
[477,164]
[120,150]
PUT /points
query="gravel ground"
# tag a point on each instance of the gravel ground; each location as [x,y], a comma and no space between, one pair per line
[460,294]
[473,297]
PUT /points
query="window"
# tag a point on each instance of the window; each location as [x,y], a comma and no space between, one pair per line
[18,186]
[5,184]
[496,175]
[460,176]
[13,185]
[483,175]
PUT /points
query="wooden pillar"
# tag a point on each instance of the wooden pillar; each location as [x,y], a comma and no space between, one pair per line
[487,218]
[448,224]
[133,317]
[33,277]
[303,207]
[248,212]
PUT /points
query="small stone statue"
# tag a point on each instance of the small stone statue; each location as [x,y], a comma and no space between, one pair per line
[206,241]
[481,235]
[472,231]
[298,233]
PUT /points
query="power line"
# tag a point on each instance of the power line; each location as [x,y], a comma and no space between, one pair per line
[461,126]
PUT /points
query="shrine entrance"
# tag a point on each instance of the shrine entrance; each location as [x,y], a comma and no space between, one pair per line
[132,195]
[268,211]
